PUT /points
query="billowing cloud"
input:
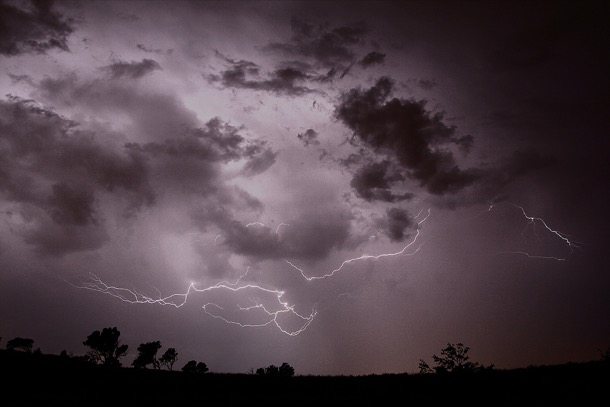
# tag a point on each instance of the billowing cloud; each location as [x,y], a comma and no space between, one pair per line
[260,163]
[55,171]
[309,137]
[372,58]
[246,75]
[35,29]
[133,69]
[307,237]
[323,46]
[58,172]
[405,131]
[373,182]
[395,223]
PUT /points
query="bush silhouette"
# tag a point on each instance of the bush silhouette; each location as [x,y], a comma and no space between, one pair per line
[453,358]
[169,358]
[105,347]
[192,366]
[22,344]
[147,355]
[285,370]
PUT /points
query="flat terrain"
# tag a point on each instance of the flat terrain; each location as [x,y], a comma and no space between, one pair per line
[50,380]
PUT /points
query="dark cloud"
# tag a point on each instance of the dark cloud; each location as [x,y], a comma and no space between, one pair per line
[133,69]
[52,239]
[153,115]
[246,75]
[189,162]
[372,58]
[306,237]
[71,204]
[395,223]
[54,171]
[495,179]
[373,182]
[215,141]
[309,137]
[159,51]
[405,131]
[325,46]
[259,163]
[35,29]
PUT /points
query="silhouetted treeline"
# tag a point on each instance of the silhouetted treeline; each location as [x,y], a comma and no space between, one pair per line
[36,379]
[105,349]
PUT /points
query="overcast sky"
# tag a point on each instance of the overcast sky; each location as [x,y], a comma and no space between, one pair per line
[345,187]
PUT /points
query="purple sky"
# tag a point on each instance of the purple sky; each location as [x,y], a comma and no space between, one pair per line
[249,150]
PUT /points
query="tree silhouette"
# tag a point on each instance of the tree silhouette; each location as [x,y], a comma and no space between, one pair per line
[147,354]
[192,366]
[453,358]
[22,344]
[424,368]
[286,370]
[272,370]
[105,347]
[169,358]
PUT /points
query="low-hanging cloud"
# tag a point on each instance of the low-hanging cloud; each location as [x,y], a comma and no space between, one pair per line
[37,29]
[133,69]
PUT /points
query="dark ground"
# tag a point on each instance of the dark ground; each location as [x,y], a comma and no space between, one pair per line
[51,380]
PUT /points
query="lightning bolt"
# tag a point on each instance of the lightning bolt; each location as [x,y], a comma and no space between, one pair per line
[368,256]
[178,300]
[214,310]
[533,220]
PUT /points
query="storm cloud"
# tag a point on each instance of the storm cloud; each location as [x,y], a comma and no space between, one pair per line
[373,182]
[405,131]
[309,137]
[133,69]
[372,58]
[391,142]
[395,224]
[329,47]
[36,29]
[54,171]
[246,75]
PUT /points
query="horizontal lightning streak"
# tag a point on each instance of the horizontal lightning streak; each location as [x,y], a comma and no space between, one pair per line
[367,256]
[533,219]
[213,310]
[178,300]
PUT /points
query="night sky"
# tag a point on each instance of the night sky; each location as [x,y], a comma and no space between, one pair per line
[346,187]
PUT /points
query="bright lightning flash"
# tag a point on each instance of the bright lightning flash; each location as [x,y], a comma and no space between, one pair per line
[533,220]
[178,300]
[369,256]
[284,308]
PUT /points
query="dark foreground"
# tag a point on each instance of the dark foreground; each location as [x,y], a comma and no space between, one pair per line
[49,380]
